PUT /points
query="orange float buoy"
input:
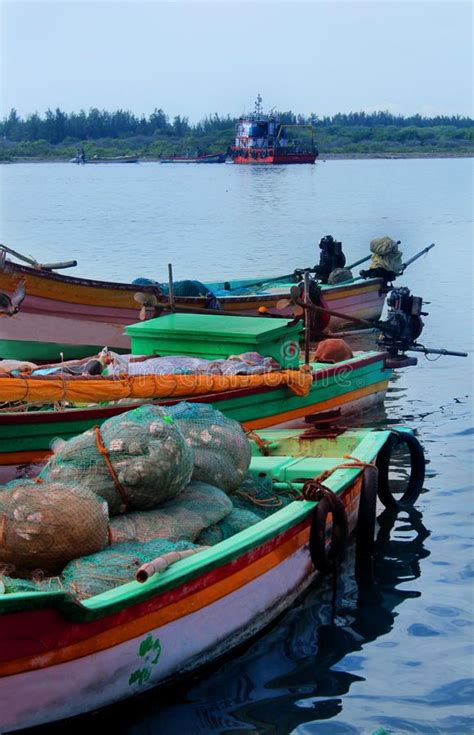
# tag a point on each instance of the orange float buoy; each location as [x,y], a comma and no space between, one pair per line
[333,350]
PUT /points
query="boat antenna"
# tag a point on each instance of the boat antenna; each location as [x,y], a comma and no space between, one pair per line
[258,105]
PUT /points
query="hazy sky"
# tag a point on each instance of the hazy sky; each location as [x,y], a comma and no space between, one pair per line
[195,58]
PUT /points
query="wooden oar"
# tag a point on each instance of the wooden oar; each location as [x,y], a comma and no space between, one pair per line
[36,264]
[358,262]
[415,257]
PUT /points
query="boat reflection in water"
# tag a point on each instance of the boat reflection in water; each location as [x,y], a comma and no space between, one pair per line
[295,673]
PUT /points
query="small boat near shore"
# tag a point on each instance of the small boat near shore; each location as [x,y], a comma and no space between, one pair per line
[61,656]
[198,158]
[82,159]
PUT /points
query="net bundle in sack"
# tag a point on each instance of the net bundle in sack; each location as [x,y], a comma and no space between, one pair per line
[238,520]
[116,565]
[197,507]
[134,461]
[220,448]
[45,525]
[258,495]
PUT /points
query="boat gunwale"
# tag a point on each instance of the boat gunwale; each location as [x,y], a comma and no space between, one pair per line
[10,267]
[225,552]
[368,358]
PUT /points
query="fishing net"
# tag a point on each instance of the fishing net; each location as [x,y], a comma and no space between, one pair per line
[45,525]
[386,254]
[259,496]
[34,583]
[199,506]
[180,288]
[220,448]
[134,461]
[237,520]
[114,566]
[247,363]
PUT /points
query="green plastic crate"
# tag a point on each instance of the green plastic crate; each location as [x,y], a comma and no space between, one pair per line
[214,337]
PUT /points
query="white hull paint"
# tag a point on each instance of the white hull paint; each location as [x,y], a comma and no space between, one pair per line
[100,679]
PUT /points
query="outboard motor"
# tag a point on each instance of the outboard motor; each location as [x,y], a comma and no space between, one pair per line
[404,324]
[331,257]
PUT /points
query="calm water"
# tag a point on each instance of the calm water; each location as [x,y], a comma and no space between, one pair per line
[401,656]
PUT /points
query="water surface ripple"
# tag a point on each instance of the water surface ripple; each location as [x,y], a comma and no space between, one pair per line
[399,656]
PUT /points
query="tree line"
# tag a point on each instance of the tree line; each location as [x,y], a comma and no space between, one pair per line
[56,126]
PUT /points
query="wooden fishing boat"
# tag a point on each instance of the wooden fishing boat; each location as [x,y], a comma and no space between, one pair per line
[79,316]
[82,159]
[256,401]
[204,158]
[60,657]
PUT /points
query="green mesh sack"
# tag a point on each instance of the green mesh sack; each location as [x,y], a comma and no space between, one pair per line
[259,496]
[199,506]
[114,566]
[10,585]
[237,520]
[220,448]
[138,460]
[45,525]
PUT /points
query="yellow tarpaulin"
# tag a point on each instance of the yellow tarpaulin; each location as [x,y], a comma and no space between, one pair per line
[97,389]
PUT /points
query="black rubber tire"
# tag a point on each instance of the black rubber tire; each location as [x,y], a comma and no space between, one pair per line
[417,471]
[365,532]
[324,559]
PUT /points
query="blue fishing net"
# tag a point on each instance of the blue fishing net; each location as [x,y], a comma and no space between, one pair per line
[183,289]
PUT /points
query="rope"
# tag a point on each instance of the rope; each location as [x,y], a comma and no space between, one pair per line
[262,444]
[103,451]
[271,502]
[314,489]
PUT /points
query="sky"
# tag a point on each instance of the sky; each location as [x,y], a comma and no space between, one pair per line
[197,58]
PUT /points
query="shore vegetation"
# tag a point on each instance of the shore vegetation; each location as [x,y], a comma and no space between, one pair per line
[57,135]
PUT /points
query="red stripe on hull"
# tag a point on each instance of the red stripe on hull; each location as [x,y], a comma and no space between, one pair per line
[277,159]
[31,633]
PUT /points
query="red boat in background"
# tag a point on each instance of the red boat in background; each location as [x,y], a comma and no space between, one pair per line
[262,139]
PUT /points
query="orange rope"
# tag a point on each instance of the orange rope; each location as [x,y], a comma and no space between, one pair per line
[314,489]
[262,444]
[272,502]
[103,451]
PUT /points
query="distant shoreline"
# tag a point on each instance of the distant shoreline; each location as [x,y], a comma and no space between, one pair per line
[321,158]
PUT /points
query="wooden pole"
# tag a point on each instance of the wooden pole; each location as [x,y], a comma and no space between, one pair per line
[307,319]
[170,285]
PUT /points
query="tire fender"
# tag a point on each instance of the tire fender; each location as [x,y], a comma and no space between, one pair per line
[324,557]
[417,471]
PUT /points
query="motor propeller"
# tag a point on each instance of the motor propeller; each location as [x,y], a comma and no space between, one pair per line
[147,301]
[11,305]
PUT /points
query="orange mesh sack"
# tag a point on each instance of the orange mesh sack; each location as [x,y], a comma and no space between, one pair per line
[199,506]
[134,461]
[220,448]
[45,525]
